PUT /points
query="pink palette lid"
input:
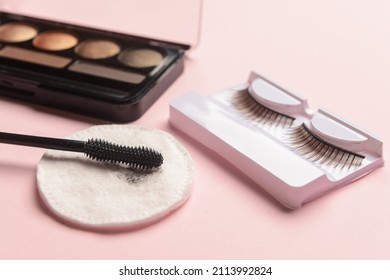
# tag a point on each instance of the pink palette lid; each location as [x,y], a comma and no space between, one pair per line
[172,21]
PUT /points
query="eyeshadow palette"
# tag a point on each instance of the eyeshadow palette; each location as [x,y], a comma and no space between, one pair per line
[100,73]
[273,136]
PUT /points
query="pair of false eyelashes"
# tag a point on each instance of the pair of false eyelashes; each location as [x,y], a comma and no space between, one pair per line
[300,138]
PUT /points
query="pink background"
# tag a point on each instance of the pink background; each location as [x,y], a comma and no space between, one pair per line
[334,53]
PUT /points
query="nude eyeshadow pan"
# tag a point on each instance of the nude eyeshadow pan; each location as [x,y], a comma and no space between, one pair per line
[97,49]
[141,58]
[55,40]
[16,32]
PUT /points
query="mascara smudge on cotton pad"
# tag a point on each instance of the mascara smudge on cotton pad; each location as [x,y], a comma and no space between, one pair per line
[106,196]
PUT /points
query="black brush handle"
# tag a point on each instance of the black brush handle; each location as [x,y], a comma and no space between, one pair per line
[42,142]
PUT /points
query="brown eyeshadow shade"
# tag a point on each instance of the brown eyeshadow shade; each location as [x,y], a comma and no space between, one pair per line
[97,49]
[15,32]
[45,59]
[35,57]
[106,72]
[55,41]
[140,58]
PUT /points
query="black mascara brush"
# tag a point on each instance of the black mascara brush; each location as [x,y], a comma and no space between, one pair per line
[135,157]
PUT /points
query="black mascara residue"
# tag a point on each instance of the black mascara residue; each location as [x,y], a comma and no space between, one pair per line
[135,177]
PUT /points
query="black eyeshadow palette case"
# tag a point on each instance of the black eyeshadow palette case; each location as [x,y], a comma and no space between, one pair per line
[85,66]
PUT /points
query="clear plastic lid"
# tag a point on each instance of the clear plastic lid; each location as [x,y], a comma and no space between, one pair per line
[173,21]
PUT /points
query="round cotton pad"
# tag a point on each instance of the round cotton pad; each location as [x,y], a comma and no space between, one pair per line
[110,196]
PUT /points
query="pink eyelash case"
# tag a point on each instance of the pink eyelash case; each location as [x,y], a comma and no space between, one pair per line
[273,137]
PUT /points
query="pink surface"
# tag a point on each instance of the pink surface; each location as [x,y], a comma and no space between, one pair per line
[336,54]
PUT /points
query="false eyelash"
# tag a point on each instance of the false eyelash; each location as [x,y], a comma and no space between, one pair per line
[259,113]
[316,149]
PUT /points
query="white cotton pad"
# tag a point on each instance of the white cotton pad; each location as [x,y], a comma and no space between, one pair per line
[110,196]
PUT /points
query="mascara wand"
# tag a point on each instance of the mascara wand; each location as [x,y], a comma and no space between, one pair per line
[142,158]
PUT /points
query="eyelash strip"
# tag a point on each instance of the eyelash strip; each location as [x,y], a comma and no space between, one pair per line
[316,149]
[300,138]
[257,112]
